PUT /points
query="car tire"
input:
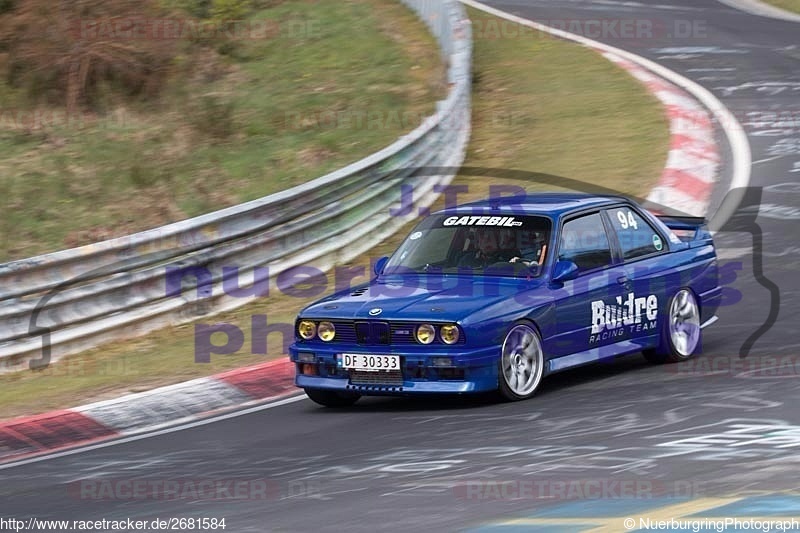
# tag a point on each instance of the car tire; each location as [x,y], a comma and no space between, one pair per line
[681,335]
[330,398]
[521,363]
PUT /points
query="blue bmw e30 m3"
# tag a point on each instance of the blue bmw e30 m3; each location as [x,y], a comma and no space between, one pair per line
[497,294]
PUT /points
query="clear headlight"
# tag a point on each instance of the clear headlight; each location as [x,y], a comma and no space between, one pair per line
[426,333]
[449,333]
[326,331]
[306,329]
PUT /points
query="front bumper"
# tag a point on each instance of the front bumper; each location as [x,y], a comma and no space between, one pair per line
[470,371]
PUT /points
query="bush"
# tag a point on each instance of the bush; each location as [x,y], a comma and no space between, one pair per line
[62,52]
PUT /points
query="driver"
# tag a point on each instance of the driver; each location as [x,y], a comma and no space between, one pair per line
[493,245]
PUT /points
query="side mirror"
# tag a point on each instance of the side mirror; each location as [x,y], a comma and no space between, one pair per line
[379,265]
[564,270]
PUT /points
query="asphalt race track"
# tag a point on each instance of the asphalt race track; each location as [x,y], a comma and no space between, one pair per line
[597,444]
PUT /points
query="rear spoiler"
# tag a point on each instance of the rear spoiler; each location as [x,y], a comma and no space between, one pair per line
[688,229]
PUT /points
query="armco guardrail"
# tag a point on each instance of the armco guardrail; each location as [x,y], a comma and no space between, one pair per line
[64,302]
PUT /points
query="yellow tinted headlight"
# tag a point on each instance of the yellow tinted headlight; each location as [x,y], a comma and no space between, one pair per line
[306,329]
[326,331]
[449,333]
[426,333]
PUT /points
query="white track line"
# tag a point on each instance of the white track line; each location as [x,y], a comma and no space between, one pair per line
[740,146]
[164,431]
[754,7]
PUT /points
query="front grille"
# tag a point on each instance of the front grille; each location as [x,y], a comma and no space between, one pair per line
[375,333]
[403,332]
[372,332]
[386,377]
[345,332]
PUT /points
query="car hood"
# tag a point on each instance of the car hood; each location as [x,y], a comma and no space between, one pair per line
[397,299]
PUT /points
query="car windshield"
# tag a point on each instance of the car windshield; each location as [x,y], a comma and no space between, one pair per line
[486,245]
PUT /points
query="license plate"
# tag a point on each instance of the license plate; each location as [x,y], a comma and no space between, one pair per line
[360,361]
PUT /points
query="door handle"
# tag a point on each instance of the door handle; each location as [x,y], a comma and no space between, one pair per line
[623,280]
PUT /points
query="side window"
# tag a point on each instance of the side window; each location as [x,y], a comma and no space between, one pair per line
[584,242]
[636,236]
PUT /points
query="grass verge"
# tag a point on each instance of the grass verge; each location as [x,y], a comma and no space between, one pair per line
[539,104]
[788,5]
[330,83]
